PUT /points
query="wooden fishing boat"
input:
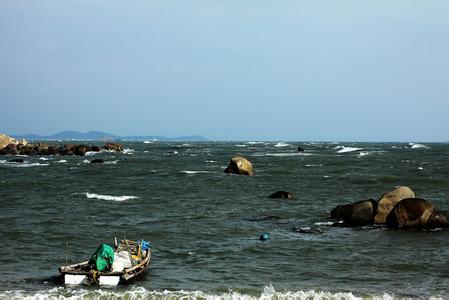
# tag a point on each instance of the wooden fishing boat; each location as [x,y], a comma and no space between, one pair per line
[131,259]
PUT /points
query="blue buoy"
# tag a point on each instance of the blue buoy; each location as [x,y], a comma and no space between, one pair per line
[264,236]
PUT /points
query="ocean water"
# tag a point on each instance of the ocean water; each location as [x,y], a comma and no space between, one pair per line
[205,224]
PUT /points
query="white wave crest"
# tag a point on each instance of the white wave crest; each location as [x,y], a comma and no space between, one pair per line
[418,146]
[109,198]
[26,165]
[194,172]
[363,153]
[240,145]
[147,142]
[90,153]
[43,158]
[61,161]
[255,143]
[282,144]
[128,151]
[284,154]
[344,149]
[141,293]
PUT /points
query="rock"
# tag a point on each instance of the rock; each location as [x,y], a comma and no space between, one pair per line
[10,149]
[410,213]
[114,147]
[300,149]
[388,200]
[439,219]
[97,161]
[281,194]
[16,160]
[240,165]
[6,140]
[359,213]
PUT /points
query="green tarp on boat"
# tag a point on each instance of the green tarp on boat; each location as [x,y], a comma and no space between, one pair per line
[103,257]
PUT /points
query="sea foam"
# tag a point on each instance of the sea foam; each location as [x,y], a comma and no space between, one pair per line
[282,144]
[194,172]
[418,146]
[268,293]
[344,149]
[109,197]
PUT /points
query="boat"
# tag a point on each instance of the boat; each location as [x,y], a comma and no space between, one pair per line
[110,266]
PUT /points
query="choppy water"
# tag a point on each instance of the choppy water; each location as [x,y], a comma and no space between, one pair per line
[205,224]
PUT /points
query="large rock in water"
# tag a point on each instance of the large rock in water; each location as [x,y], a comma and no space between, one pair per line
[411,213]
[359,213]
[240,165]
[388,200]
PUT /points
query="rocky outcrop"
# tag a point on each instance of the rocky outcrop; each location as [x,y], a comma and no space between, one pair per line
[114,147]
[411,213]
[6,140]
[24,148]
[388,200]
[359,213]
[240,165]
[281,194]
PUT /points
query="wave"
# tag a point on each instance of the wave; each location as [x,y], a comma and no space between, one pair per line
[240,145]
[141,293]
[344,149]
[128,151]
[26,165]
[61,161]
[284,154]
[194,172]
[147,142]
[418,146]
[282,144]
[255,143]
[211,161]
[90,153]
[363,153]
[109,198]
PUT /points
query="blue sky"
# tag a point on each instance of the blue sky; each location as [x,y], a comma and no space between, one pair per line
[227,70]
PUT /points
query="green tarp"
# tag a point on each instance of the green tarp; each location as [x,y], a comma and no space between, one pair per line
[103,257]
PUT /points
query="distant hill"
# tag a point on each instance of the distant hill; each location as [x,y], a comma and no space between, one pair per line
[99,135]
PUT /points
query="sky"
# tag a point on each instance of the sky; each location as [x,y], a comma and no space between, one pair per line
[227,70]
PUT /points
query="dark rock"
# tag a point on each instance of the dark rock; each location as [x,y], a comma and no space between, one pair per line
[94,149]
[10,149]
[16,160]
[281,194]
[412,213]
[97,161]
[240,165]
[359,213]
[300,149]
[439,219]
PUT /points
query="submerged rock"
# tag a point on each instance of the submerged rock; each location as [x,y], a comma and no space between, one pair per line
[240,165]
[300,149]
[16,160]
[410,213]
[388,200]
[359,213]
[281,194]
[97,161]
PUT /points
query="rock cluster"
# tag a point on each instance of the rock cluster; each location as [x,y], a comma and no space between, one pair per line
[9,146]
[397,209]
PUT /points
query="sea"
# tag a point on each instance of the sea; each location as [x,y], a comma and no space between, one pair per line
[204,225]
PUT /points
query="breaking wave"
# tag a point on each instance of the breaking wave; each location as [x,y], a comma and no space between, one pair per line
[109,198]
[194,172]
[268,293]
[418,146]
[344,149]
[282,144]
[128,151]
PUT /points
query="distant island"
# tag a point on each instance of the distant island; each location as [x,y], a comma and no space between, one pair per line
[104,136]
